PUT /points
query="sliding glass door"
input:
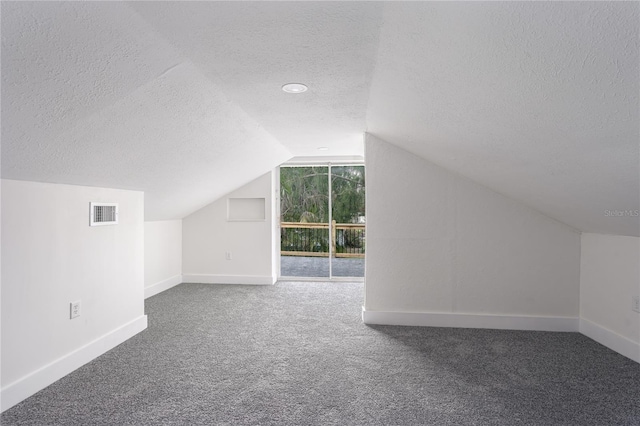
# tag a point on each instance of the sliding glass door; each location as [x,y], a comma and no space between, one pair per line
[304,226]
[348,221]
[322,227]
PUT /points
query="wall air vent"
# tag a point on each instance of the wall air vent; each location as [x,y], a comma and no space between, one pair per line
[104,214]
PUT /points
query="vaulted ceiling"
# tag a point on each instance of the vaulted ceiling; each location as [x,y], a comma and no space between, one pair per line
[536,100]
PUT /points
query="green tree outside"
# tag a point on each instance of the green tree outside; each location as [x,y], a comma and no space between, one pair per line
[305,198]
[304,194]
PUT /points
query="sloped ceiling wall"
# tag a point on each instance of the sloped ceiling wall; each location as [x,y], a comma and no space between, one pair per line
[536,100]
[253,48]
[91,95]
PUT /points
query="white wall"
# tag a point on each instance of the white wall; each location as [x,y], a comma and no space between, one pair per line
[609,278]
[443,250]
[207,235]
[50,257]
[162,256]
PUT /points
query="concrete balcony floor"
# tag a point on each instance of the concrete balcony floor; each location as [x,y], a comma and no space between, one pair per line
[301,266]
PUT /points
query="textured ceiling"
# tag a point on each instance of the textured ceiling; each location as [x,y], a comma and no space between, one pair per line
[536,100]
[256,47]
[92,95]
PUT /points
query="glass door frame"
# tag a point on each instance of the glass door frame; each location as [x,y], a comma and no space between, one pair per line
[328,164]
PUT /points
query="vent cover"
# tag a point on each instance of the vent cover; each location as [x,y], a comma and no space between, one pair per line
[104,214]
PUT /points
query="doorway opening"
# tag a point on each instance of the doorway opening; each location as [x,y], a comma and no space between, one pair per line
[322,221]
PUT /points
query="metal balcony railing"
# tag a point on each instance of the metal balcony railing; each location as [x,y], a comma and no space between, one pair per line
[312,239]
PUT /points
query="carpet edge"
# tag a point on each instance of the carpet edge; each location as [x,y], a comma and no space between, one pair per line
[39,379]
[457,320]
[228,279]
[161,286]
[610,339]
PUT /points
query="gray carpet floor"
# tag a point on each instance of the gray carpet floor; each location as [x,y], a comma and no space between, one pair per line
[298,354]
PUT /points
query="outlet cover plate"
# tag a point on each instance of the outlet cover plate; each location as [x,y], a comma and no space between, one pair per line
[636,304]
[74,308]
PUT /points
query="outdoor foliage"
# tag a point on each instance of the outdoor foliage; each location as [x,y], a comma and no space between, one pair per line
[304,194]
[304,198]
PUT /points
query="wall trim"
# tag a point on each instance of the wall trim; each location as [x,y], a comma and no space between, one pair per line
[500,322]
[161,286]
[37,380]
[610,339]
[229,279]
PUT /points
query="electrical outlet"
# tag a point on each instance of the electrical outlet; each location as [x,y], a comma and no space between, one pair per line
[75,309]
[636,304]
[227,255]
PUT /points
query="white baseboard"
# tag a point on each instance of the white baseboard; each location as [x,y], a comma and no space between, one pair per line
[229,279]
[610,339]
[501,322]
[28,385]
[161,286]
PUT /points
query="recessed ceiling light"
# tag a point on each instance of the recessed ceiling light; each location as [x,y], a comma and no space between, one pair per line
[294,88]
[323,148]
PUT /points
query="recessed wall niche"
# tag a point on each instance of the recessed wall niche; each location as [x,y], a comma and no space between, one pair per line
[246,209]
